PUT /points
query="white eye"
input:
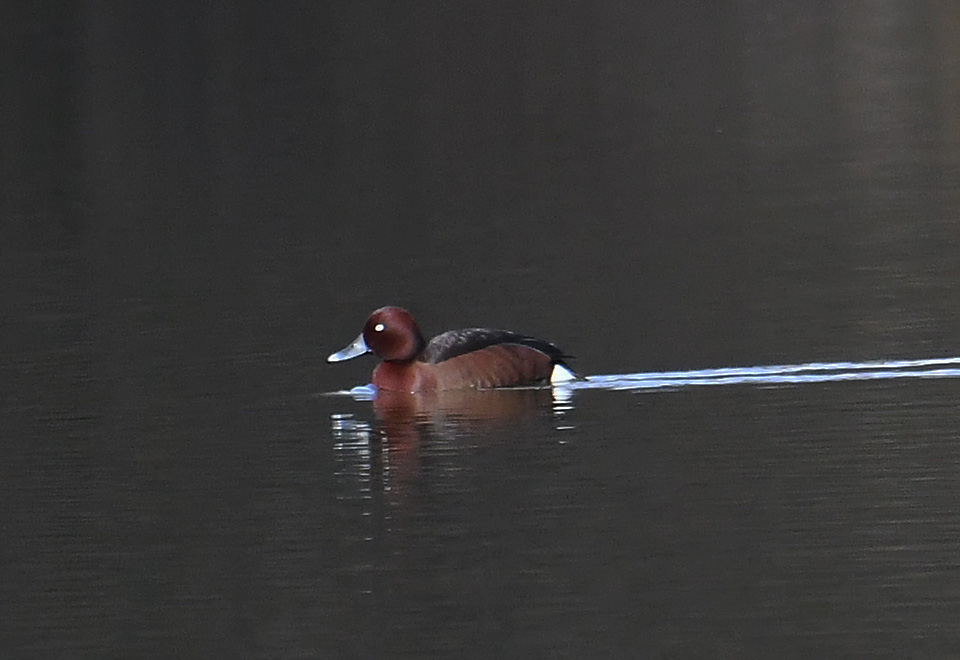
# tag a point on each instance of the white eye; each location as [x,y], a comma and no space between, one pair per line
[378,327]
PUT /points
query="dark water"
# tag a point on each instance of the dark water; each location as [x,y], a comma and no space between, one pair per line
[199,203]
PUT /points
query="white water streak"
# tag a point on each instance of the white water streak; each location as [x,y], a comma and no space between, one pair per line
[811,372]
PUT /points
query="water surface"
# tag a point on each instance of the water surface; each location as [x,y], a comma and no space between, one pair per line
[200,203]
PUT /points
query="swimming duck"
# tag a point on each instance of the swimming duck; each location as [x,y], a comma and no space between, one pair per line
[456,359]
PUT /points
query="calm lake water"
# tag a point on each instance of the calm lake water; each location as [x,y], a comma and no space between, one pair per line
[200,203]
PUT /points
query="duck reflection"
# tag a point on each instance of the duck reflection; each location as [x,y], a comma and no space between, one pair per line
[400,410]
[391,448]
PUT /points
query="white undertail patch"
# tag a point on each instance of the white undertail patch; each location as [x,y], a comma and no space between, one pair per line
[561,374]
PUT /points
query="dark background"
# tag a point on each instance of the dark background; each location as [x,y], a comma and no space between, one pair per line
[199,202]
[708,185]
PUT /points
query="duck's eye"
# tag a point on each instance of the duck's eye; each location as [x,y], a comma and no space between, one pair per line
[379,327]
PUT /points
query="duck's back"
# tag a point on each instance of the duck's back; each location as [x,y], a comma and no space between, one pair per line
[482,357]
[454,343]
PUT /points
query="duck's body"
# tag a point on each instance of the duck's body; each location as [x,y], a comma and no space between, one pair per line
[474,357]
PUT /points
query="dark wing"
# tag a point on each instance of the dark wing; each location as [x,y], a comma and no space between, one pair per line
[452,343]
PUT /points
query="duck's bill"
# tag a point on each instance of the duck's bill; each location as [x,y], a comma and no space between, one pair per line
[357,348]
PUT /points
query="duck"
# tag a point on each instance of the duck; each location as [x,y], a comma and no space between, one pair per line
[479,358]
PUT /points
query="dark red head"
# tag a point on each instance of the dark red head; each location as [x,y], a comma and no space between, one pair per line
[391,333]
